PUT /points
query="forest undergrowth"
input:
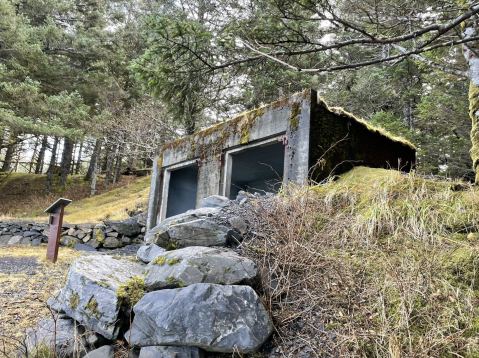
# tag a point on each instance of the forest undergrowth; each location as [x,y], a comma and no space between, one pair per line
[375,264]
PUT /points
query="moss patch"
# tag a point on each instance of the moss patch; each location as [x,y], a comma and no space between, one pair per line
[174,261]
[159,261]
[131,292]
[74,300]
[92,306]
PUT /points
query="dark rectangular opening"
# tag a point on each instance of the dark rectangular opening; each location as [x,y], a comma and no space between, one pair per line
[258,169]
[182,190]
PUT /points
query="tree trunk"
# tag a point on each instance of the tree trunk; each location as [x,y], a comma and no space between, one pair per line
[33,156]
[116,177]
[94,169]
[77,167]
[66,161]
[94,159]
[7,163]
[471,51]
[109,166]
[51,167]
[133,160]
[41,156]
[72,164]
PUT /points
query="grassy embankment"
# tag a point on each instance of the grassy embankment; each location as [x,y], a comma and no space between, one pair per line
[22,197]
[376,264]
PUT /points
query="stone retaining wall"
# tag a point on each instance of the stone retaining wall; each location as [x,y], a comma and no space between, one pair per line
[86,237]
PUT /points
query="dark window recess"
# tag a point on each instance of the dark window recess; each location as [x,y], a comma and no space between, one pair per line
[182,190]
[258,169]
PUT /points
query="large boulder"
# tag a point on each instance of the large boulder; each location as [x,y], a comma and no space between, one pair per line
[192,265]
[171,352]
[72,340]
[215,201]
[128,227]
[90,291]
[199,232]
[148,253]
[190,215]
[213,317]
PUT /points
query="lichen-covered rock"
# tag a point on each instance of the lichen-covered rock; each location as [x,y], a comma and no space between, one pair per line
[148,253]
[213,317]
[190,215]
[200,232]
[69,241]
[72,340]
[215,201]
[14,240]
[192,265]
[55,301]
[171,352]
[128,227]
[90,293]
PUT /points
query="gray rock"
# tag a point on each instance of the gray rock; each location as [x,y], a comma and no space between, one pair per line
[4,239]
[93,243]
[86,238]
[148,253]
[30,233]
[103,352]
[71,338]
[128,227]
[55,301]
[171,352]
[215,201]
[125,240]
[90,291]
[85,227]
[190,215]
[36,241]
[239,224]
[112,242]
[80,234]
[71,231]
[46,232]
[15,240]
[138,338]
[98,235]
[25,241]
[83,247]
[112,234]
[69,241]
[213,317]
[200,232]
[185,267]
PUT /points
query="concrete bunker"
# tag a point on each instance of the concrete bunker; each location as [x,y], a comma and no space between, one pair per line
[299,139]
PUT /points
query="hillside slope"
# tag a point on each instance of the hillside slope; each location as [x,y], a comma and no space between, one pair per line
[22,196]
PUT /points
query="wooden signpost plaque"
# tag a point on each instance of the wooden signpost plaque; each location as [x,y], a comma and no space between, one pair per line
[56,211]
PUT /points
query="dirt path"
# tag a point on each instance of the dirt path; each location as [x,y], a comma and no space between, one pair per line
[27,280]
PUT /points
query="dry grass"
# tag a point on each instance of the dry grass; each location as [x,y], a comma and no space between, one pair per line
[22,197]
[376,264]
[23,295]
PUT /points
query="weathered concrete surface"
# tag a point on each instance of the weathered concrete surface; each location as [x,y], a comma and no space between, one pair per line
[190,215]
[192,265]
[148,253]
[213,317]
[171,352]
[71,339]
[90,291]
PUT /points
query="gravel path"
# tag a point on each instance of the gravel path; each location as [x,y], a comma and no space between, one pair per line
[14,265]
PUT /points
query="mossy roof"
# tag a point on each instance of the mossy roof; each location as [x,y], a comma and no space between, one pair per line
[279,104]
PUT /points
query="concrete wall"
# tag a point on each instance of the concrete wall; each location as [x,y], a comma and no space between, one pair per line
[303,123]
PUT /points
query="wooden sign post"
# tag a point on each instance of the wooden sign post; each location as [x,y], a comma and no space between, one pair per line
[56,220]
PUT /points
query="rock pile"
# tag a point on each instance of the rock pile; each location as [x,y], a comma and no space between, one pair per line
[182,296]
[83,237]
